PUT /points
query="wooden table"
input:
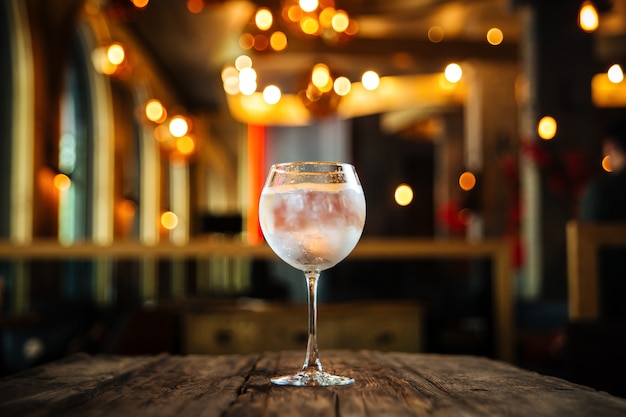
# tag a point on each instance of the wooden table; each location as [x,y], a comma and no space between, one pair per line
[387,384]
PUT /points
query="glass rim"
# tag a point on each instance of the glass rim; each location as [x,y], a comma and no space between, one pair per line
[281,166]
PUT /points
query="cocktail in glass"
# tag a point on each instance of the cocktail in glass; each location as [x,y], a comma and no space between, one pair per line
[312,215]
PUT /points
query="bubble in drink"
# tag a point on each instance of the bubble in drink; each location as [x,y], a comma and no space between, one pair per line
[315,227]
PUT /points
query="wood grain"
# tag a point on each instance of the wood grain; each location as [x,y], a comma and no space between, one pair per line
[387,384]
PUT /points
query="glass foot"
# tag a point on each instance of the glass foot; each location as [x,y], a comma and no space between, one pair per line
[312,379]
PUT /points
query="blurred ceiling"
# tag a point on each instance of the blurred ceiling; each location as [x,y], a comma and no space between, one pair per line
[192,49]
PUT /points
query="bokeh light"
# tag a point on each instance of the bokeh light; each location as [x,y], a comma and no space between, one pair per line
[278,41]
[403,195]
[271,94]
[308,5]
[435,34]
[495,36]
[185,145]
[588,17]
[546,128]
[370,80]
[606,163]
[169,220]
[342,86]
[116,54]
[62,182]
[263,18]
[178,126]
[467,181]
[453,73]
[615,74]
[155,112]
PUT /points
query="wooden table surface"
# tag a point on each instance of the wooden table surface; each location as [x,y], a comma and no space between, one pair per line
[387,384]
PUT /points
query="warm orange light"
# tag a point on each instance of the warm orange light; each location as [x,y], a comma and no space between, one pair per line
[353,28]
[162,133]
[546,128]
[185,145]
[326,17]
[453,72]
[246,41]
[340,21]
[155,112]
[101,62]
[615,74]
[178,126]
[294,14]
[278,41]
[370,80]
[320,77]
[169,220]
[342,86]
[127,208]
[308,5]
[140,4]
[403,195]
[271,94]
[243,61]
[195,6]
[261,42]
[62,182]
[606,164]
[309,25]
[116,54]
[588,17]
[264,18]
[467,181]
[495,36]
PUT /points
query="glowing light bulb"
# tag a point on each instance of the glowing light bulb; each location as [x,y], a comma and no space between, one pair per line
[546,128]
[115,54]
[263,19]
[178,126]
[308,5]
[320,76]
[271,94]
[467,181]
[62,182]
[588,17]
[169,220]
[155,112]
[370,80]
[495,36]
[403,195]
[243,61]
[453,73]
[342,86]
[615,74]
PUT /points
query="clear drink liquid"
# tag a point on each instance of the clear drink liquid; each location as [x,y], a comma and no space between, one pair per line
[312,227]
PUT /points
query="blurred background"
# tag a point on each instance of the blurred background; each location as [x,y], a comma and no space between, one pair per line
[136,137]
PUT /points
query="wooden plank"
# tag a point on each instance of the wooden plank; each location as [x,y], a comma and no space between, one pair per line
[387,384]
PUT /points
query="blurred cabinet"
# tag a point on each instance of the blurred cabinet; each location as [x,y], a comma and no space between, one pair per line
[394,326]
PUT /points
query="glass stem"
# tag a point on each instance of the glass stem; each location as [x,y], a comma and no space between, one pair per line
[312,362]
